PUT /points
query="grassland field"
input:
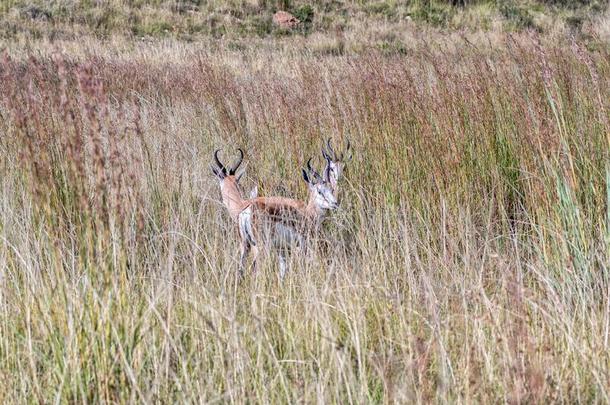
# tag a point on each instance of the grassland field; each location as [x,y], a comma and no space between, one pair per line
[469,261]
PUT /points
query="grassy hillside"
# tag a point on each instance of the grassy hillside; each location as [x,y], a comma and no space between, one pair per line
[469,261]
[192,20]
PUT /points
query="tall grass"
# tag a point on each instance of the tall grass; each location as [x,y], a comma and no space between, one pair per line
[468,262]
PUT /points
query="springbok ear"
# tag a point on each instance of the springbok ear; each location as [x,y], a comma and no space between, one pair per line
[254,192]
[240,174]
[348,151]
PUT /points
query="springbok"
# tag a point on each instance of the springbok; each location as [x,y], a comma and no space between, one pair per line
[235,203]
[335,163]
[284,223]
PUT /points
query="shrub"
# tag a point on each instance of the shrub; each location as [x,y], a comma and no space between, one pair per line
[305,14]
[519,17]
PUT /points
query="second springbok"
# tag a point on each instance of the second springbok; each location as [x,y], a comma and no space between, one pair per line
[277,223]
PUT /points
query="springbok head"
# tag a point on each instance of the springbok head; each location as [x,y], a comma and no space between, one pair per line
[335,162]
[221,171]
[320,189]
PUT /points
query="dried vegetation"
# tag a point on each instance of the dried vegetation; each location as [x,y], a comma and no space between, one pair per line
[469,261]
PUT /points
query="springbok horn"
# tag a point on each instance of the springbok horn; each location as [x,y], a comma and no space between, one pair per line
[325,154]
[348,150]
[315,174]
[239,160]
[220,165]
[331,150]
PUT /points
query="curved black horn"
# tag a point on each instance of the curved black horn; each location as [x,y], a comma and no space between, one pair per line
[311,170]
[218,163]
[239,160]
[333,155]
[325,153]
[216,158]
[309,165]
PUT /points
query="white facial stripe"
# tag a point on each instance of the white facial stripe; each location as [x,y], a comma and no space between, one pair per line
[335,169]
[325,198]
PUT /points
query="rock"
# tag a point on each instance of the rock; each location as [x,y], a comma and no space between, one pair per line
[284,19]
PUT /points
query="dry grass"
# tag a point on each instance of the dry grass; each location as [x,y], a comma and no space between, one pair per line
[468,263]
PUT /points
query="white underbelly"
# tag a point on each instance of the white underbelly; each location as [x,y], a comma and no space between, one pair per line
[286,235]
